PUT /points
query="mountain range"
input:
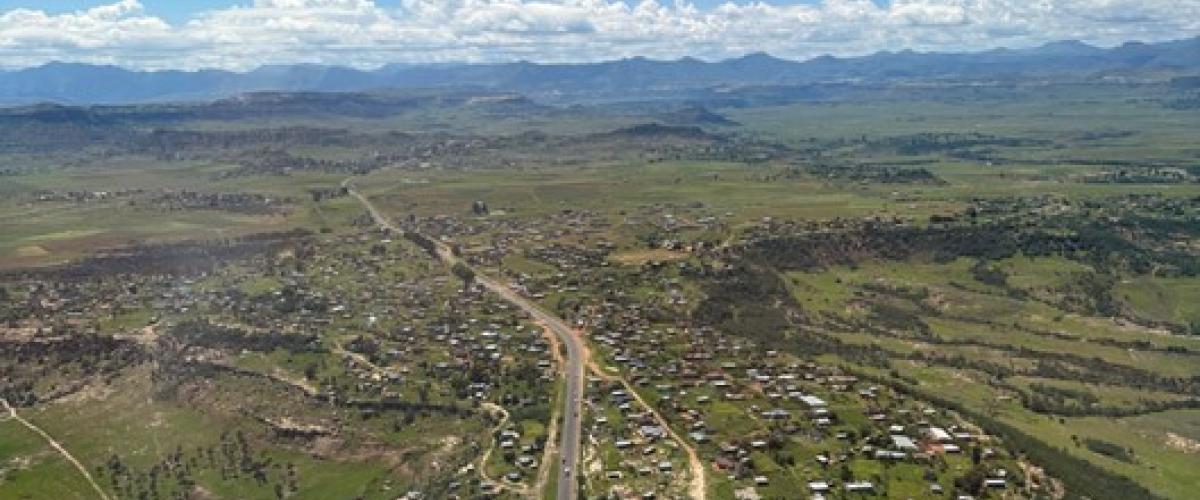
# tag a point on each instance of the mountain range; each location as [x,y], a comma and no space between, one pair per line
[639,78]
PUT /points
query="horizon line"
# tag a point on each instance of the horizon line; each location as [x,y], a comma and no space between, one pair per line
[689,58]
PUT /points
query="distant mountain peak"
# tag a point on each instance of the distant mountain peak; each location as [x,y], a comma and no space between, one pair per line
[760,57]
[1068,47]
[633,78]
[1068,43]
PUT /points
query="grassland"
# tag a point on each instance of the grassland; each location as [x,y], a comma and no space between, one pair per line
[1027,351]
[990,327]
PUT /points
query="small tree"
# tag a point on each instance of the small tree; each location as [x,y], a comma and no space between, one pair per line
[464,272]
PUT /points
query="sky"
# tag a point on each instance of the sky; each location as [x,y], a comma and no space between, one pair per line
[244,34]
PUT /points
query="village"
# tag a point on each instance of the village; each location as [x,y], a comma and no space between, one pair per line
[373,326]
[626,280]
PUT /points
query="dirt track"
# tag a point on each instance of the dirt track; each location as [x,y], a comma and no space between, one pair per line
[55,444]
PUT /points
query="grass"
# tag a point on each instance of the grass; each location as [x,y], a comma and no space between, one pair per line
[1110,395]
[721,187]
[57,233]
[1157,465]
[38,233]
[639,257]
[1171,300]
[976,321]
[1041,273]
[127,321]
[1166,470]
[1074,109]
[142,430]
[26,460]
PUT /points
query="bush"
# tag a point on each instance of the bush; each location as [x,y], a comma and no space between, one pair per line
[1108,449]
[463,271]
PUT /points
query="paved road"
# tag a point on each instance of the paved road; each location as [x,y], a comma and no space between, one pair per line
[568,448]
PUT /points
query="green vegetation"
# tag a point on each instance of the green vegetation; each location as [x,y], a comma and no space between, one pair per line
[205,311]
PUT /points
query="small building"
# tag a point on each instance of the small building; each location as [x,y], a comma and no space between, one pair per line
[904,443]
[813,401]
[938,435]
[651,431]
[860,486]
[776,414]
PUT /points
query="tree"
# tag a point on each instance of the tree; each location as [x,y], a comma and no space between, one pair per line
[972,481]
[464,272]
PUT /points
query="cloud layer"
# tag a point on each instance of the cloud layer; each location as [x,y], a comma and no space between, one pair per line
[363,34]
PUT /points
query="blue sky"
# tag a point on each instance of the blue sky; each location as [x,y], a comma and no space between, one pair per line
[171,10]
[243,34]
[177,11]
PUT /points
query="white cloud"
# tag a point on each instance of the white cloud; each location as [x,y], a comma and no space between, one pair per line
[929,13]
[363,34]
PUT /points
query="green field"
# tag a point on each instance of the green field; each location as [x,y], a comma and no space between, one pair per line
[1002,262]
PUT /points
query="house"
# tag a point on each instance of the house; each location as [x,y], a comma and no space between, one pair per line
[813,401]
[890,455]
[747,493]
[938,435]
[904,443]
[859,486]
[651,431]
[725,463]
[775,414]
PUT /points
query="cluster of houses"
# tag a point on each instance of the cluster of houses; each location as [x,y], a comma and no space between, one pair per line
[403,330]
[629,452]
[741,407]
[169,200]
